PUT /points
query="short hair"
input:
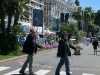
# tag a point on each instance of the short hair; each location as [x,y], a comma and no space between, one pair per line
[32,31]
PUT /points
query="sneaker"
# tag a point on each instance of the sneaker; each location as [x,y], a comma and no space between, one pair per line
[22,72]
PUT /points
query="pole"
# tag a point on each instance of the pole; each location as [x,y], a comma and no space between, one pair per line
[82,19]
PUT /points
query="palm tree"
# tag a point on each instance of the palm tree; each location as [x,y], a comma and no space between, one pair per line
[88,17]
[2,25]
[11,8]
[22,11]
[97,18]
[2,22]
[77,15]
[16,8]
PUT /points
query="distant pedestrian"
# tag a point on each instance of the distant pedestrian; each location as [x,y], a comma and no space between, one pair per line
[63,53]
[95,44]
[30,48]
[84,40]
[87,41]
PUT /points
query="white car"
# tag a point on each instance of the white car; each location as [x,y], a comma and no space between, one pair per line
[73,38]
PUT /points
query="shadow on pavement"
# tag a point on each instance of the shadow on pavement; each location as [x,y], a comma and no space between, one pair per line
[98,51]
[19,74]
[76,55]
[94,55]
[90,54]
[98,55]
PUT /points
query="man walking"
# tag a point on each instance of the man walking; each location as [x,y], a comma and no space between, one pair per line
[30,48]
[63,53]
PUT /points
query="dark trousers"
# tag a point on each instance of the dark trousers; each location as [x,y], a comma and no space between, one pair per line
[60,64]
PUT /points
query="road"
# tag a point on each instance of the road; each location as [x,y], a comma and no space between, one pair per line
[45,63]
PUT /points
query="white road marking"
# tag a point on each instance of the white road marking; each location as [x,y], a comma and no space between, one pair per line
[4,68]
[42,72]
[15,72]
[63,73]
[87,74]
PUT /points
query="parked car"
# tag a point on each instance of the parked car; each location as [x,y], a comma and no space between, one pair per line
[73,38]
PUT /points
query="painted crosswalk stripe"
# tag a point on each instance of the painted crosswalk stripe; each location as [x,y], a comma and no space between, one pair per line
[4,68]
[63,73]
[42,72]
[15,71]
[87,74]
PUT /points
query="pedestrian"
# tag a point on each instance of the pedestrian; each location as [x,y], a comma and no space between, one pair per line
[84,40]
[63,53]
[30,48]
[95,44]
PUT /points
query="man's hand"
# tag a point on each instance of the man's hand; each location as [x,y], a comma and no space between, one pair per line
[77,50]
[42,47]
[57,56]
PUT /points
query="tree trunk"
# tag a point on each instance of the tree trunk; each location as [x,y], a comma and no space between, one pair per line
[9,24]
[2,15]
[16,20]
[2,19]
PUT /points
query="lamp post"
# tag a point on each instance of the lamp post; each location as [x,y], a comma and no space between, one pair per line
[82,20]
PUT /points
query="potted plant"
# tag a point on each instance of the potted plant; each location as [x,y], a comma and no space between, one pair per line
[79,50]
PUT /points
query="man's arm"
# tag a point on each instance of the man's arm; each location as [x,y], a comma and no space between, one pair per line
[38,46]
[71,46]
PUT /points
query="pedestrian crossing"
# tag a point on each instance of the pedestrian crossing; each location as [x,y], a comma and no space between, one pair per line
[39,72]
[87,74]
[4,68]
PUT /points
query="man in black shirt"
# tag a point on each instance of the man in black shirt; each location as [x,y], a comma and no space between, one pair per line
[63,53]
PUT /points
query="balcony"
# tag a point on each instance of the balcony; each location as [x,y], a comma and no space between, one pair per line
[72,8]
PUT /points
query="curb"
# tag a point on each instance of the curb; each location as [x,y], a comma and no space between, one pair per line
[22,56]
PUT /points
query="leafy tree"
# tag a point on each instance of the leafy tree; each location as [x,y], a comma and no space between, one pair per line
[88,17]
[94,28]
[97,18]
[71,28]
[2,24]
[11,8]
[63,26]
[81,34]
[15,8]
[77,14]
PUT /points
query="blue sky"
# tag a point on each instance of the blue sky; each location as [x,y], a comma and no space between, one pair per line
[95,4]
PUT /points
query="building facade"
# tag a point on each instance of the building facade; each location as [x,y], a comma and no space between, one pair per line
[53,10]
[33,4]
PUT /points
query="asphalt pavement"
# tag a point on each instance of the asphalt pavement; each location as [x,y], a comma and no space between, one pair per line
[45,63]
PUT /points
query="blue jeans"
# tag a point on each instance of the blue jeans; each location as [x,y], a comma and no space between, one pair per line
[67,66]
[30,61]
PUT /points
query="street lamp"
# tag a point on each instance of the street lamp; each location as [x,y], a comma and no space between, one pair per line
[82,20]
